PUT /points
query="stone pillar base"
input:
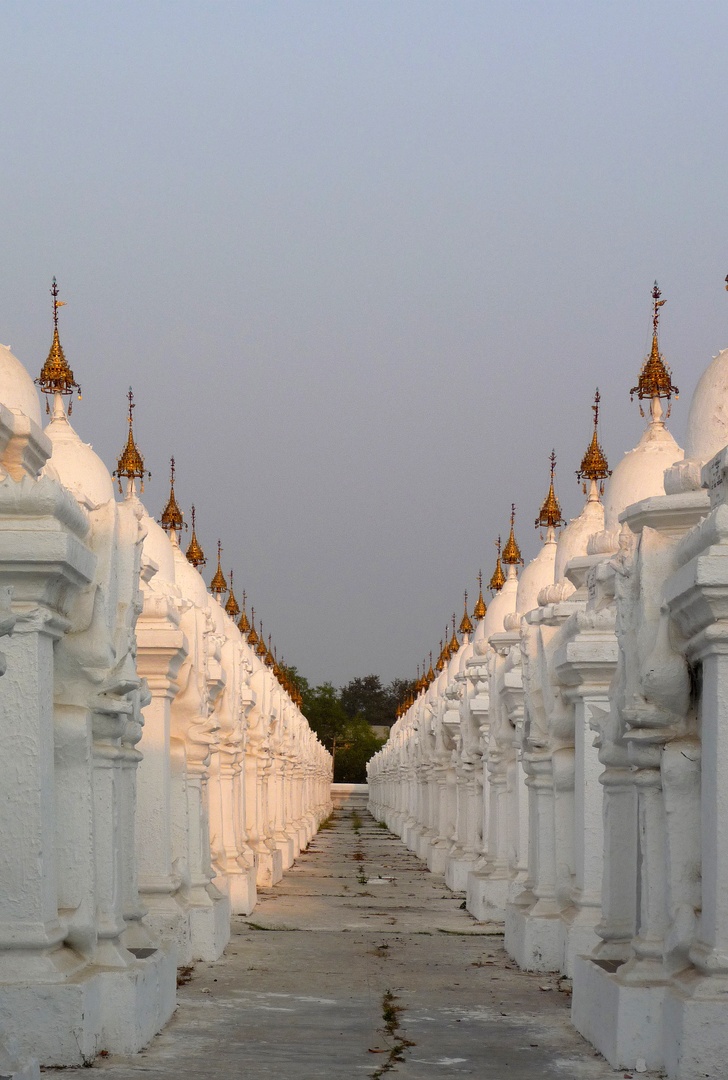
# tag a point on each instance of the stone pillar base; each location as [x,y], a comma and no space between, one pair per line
[242,890]
[536,942]
[270,867]
[15,1067]
[437,857]
[210,927]
[623,1022]
[286,847]
[695,1028]
[69,1023]
[486,897]
[168,919]
[457,870]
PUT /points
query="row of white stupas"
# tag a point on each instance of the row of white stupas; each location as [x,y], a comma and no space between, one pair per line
[154,762]
[568,765]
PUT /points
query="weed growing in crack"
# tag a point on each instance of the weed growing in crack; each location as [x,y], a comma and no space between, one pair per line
[390,1031]
[356,822]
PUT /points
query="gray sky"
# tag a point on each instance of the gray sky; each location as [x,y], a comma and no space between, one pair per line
[364,264]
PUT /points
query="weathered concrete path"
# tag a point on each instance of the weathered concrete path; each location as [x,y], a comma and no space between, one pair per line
[311,984]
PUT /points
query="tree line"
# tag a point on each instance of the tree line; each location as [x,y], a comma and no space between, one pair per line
[343,719]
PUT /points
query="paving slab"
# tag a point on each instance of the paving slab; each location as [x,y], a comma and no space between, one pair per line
[361,963]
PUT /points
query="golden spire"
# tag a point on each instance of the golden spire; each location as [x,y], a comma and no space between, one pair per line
[268,655]
[594,465]
[172,520]
[655,379]
[244,625]
[430,673]
[454,643]
[131,462]
[480,609]
[447,651]
[260,650]
[232,605]
[498,579]
[276,669]
[56,376]
[512,552]
[194,552]
[252,635]
[418,684]
[549,516]
[466,627]
[218,585]
[440,662]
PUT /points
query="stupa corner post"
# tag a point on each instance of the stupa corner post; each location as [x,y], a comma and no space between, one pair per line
[161,761]
[577,790]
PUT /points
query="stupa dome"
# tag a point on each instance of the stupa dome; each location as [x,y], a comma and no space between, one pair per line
[707,427]
[502,604]
[76,465]
[574,538]
[538,574]
[640,474]
[17,389]
[158,547]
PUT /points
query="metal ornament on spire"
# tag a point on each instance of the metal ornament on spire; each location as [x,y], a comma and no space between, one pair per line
[454,643]
[498,579]
[56,376]
[131,463]
[480,609]
[466,627]
[252,635]
[655,379]
[261,640]
[594,464]
[269,661]
[172,519]
[244,625]
[194,552]
[430,673]
[447,651]
[440,662]
[512,552]
[218,585]
[232,605]
[549,516]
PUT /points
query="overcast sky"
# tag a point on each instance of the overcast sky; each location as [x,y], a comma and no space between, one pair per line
[364,264]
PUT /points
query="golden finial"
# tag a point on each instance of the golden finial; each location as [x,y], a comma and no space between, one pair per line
[498,579]
[480,609]
[466,627]
[56,376]
[276,669]
[252,635]
[594,465]
[549,516]
[131,462]
[512,552]
[440,662]
[172,520]
[194,552]
[447,651]
[244,625]
[218,585]
[261,640]
[268,655]
[232,605]
[418,684]
[454,643]
[430,673]
[655,379]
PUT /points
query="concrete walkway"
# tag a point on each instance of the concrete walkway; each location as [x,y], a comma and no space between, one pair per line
[361,963]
